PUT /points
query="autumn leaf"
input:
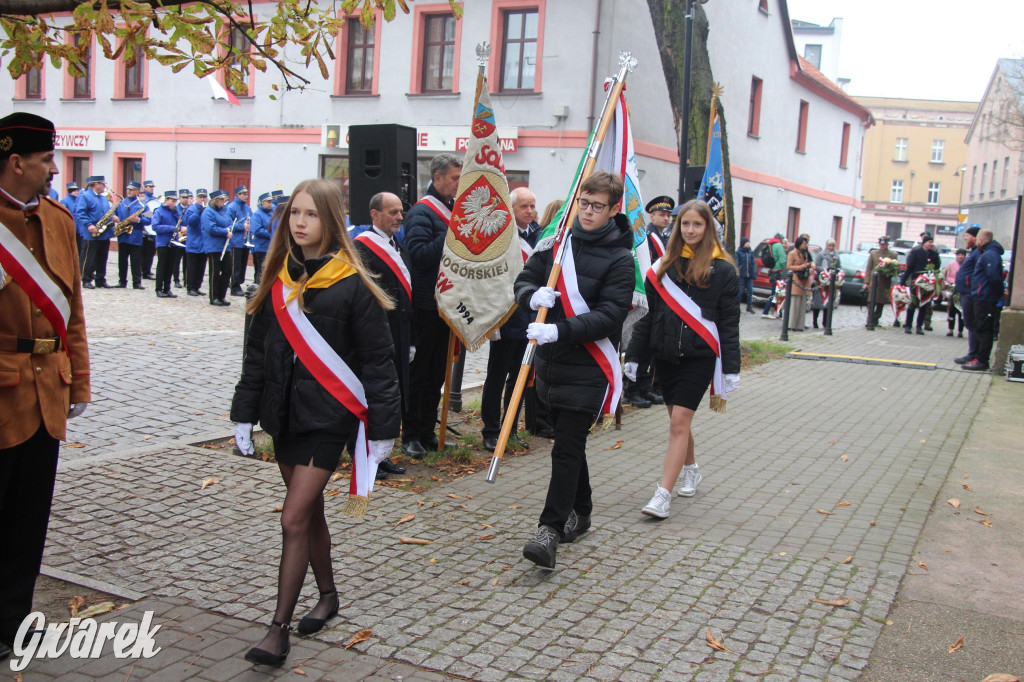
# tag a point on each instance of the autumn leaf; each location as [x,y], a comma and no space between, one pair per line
[1001,677]
[332,492]
[486,537]
[207,482]
[146,437]
[783,553]
[360,636]
[832,602]
[74,445]
[277,510]
[846,458]
[335,476]
[97,609]
[826,513]
[967,488]
[986,522]
[884,388]
[74,604]
[405,519]
[453,496]
[847,560]
[486,525]
[831,442]
[494,582]
[977,510]
[415,541]
[516,506]
[434,478]
[922,565]
[955,501]
[844,503]
[872,523]
[462,582]
[618,444]
[713,642]
[299,671]
[958,644]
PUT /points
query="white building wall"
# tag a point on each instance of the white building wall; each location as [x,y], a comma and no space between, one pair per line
[830,38]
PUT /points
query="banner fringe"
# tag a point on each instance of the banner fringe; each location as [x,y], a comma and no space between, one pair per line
[718,403]
[356,506]
[483,338]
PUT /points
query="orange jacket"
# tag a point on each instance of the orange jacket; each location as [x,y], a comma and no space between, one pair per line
[37,389]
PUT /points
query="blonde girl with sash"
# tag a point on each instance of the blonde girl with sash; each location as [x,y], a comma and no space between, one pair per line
[692,332]
[317,370]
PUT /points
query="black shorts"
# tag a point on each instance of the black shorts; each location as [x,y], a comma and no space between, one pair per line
[320,450]
[685,383]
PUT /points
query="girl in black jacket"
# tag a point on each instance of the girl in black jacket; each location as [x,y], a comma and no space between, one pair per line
[310,427]
[694,262]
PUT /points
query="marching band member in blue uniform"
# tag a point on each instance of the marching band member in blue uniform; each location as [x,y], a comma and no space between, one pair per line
[69,203]
[240,214]
[148,245]
[261,233]
[216,226]
[165,218]
[181,259]
[129,246]
[90,207]
[195,256]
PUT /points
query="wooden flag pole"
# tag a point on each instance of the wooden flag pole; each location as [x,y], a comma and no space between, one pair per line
[626,64]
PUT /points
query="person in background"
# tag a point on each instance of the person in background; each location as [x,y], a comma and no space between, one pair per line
[261,233]
[149,240]
[827,260]
[695,275]
[918,260]
[954,316]
[241,217]
[165,218]
[778,249]
[91,206]
[986,292]
[180,260]
[196,265]
[963,287]
[746,266]
[882,294]
[799,263]
[550,211]
[216,227]
[129,246]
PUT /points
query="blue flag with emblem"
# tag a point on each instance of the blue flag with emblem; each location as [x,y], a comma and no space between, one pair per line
[712,186]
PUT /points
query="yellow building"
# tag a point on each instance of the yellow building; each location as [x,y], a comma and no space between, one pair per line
[914,157]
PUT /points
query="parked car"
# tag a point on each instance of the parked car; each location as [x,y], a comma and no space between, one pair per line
[762,279]
[854,263]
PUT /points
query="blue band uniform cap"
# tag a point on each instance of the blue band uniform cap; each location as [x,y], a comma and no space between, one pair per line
[266,196]
[218,193]
[283,199]
[148,183]
[72,186]
[201,192]
[662,203]
[170,194]
[23,133]
[675,211]
[240,189]
[277,193]
[132,185]
[95,178]
[184,192]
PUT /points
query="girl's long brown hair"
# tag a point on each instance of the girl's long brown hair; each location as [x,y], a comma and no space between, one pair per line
[334,238]
[549,212]
[698,271]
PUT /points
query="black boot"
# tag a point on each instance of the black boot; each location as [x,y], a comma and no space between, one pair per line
[543,548]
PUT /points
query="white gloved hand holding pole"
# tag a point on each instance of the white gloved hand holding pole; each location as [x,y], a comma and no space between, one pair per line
[544,298]
[412,353]
[380,450]
[730,382]
[542,333]
[630,371]
[243,438]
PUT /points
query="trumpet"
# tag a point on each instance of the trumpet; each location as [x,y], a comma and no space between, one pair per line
[180,233]
[248,241]
[126,226]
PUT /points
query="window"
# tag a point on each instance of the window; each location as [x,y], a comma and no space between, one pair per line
[1006,171]
[801,130]
[896,196]
[335,168]
[239,45]
[438,53]
[78,169]
[974,180]
[984,173]
[34,83]
[135,75]
[359,74]
[82,85]
[901,149]
[938,149]
[754,115]
[517,179]
[519,50]
[130,168]
[844,150]
[837,229]
[992,185]
[763,5]
[812,53]
[793,223]
[893,230]
[933,194]
[745,217]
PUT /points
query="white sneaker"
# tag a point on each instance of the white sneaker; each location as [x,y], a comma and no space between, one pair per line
[766,316]
[658,506]
[691,479]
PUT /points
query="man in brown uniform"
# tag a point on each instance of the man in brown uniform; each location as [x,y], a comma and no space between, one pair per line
[884,283]
[44,358]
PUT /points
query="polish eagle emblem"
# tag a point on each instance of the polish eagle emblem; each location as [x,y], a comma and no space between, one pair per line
[480,215]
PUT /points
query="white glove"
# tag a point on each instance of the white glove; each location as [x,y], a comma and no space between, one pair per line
[542,333]
[544,298]
[243,438]
[730,382]
[76,410]
[380,450]
[412,353]
[630,371]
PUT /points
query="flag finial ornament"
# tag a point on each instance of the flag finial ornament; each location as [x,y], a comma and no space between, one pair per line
[627,60]
[483,53]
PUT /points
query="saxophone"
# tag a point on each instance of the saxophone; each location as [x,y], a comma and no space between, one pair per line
[126,226]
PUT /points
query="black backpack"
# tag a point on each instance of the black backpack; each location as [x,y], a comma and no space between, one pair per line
[767,259]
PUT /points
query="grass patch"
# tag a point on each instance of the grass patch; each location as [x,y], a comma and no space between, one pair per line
[758,352]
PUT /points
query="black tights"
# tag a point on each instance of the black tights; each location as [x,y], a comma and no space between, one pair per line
[306,542]
[824,317]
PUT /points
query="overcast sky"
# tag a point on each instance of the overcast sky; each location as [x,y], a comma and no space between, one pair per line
[921,49]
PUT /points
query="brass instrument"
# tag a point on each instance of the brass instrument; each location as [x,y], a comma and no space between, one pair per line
[180,233]
[126,226]
[247,241]
[227,241]
[105,223]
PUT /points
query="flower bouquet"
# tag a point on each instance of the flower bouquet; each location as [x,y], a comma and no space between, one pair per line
[888,267]
[899,297]
[780,296]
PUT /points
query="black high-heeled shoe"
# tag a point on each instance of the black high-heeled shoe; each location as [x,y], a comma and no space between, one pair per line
[309,625]
[264,657]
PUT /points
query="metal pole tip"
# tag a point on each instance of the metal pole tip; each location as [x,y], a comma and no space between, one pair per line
[492,470]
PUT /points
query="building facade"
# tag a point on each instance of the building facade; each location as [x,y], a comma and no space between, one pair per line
[914,159]
[144,122]
[820,45]
[994,143]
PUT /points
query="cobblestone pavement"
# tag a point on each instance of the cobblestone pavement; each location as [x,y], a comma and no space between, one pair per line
[633,599]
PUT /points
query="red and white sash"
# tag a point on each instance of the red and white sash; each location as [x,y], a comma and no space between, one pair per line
[659,248]
[27,273]
[331,372]
[526,249]
[604,353]
[685,307]
[382,249]
[438,207]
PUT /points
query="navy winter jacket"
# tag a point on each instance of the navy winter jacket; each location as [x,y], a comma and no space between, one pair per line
[987,280]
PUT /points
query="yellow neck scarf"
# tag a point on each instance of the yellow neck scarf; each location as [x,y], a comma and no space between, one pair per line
[688,252]
[334,271]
